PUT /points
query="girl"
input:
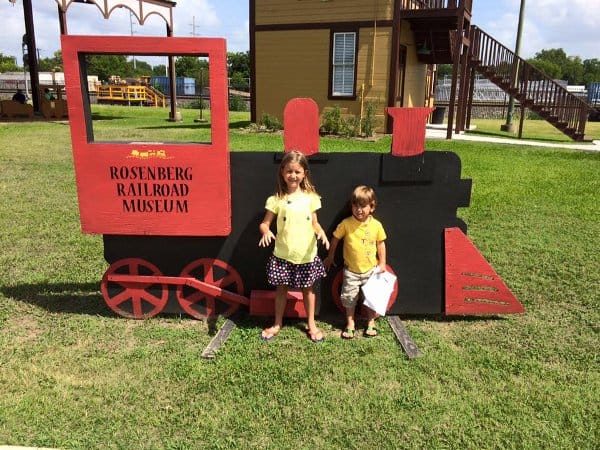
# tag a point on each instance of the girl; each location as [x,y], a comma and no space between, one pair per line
[294,263]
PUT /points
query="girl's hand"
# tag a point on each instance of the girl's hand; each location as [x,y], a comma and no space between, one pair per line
[322,236]
[266,239]
[328,262]
[382,268]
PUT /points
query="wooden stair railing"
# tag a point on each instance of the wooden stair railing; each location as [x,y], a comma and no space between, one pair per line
[436,4]
[157,97]
[531,87]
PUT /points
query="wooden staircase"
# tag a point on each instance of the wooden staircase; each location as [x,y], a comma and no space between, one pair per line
[531,87]
[444,35]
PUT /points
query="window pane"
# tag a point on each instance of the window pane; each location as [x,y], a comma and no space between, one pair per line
[344,49]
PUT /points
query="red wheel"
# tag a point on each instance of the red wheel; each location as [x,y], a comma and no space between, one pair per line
[336,288]
[134,300]
[214,272]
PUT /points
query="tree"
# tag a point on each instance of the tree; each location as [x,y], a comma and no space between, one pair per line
[443,71]
[238,63]
[557,65]
[142,68]
[189,66]
[549,68]
[50,64]
[591,71]
[8,64]
[104,66]
[160,70]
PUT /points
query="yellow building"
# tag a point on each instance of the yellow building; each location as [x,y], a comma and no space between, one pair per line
[342,52]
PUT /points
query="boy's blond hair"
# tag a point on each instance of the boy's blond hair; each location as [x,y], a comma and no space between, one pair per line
[364,195]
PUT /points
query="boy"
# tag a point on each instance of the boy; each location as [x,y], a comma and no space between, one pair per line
[364,254]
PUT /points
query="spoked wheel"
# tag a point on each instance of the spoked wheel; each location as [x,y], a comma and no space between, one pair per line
[134,300]
[214,272]
[361,311]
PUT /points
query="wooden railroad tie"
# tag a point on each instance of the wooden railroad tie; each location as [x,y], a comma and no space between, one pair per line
[210,352]
[408,345]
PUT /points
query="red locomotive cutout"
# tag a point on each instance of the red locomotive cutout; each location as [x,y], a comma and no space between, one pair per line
[180,221]
[150,188]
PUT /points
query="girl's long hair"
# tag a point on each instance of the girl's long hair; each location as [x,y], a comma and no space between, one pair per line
[306,185]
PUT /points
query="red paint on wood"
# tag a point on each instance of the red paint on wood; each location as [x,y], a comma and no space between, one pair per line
[336,289]
[472,285]
[408,132]
[262,303]
[116,181]
[301,126]
[200,301]
[134,300]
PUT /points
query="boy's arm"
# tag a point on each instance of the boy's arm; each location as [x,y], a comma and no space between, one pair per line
[381,256]
[328,262]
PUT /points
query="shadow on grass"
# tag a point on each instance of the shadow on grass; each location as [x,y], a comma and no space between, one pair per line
[85,298]
[70,298]
[96,116]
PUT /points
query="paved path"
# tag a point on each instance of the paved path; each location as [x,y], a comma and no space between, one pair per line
[439,132]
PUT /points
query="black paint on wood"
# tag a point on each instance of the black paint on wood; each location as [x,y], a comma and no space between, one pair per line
[418,198]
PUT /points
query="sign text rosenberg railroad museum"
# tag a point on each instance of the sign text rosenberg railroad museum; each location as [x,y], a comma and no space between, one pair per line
[151,189]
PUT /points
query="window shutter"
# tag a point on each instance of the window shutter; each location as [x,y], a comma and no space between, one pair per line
[344,49]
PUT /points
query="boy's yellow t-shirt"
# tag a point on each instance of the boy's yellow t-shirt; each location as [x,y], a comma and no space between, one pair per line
[360,242]
[296,241]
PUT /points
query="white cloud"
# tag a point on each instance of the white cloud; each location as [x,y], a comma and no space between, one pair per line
[572,26]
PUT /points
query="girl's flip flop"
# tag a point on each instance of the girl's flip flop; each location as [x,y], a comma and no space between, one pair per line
[269,333]
[313,336]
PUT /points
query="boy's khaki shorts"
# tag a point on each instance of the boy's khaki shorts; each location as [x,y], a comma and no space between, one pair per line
[351,286]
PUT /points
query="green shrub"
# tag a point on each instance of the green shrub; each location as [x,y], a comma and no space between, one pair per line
[237,103]
[368,120]
[332,121]
[350,127]
[195,104]
[270,123]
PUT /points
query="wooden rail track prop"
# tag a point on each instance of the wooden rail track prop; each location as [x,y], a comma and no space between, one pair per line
[180,221]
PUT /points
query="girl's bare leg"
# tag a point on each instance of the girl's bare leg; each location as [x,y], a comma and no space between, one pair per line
[280,301]
[310,305]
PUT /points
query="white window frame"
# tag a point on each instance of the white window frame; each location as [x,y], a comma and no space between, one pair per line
[343,63]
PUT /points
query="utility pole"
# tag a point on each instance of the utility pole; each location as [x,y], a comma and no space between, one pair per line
[508,126]
[131,31]
[29,39]
[194,26]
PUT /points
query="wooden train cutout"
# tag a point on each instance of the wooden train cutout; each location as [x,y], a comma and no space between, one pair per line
[180,221]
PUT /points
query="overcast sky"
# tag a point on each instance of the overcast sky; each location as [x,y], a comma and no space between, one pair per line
[572,26]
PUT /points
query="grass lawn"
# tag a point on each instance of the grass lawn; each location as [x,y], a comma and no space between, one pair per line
[75,375]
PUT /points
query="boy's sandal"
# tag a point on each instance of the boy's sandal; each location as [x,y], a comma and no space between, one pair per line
[315,336]
[371,332]
[269,333]
[348,333]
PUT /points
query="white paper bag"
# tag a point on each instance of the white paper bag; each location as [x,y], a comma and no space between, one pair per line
[377,291]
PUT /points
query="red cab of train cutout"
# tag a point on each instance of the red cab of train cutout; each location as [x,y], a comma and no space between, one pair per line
[180,221]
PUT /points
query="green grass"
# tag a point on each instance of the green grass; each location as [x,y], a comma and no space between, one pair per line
[74,375]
